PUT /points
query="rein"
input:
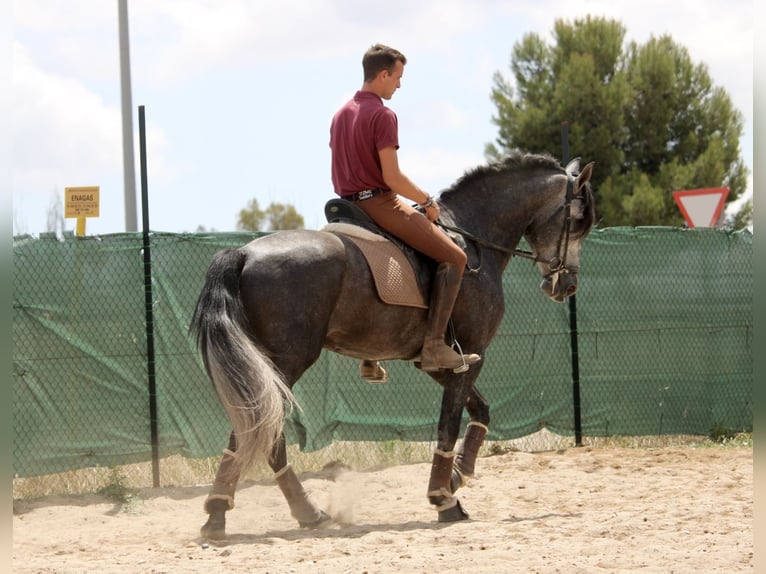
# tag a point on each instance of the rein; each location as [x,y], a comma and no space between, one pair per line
[485,243]
[557,264]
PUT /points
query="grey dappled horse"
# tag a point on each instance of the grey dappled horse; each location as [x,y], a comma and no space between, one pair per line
[267,310]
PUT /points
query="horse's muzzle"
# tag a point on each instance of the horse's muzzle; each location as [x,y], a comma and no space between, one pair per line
[559,285]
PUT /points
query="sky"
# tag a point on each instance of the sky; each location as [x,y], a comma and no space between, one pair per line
[238,94]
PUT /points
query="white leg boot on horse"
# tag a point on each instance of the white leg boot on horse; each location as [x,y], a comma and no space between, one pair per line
[436,354]
[301,506]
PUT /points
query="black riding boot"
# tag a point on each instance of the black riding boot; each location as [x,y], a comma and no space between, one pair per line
[436,354]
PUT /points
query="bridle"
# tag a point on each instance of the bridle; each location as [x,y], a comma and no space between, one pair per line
[556,265]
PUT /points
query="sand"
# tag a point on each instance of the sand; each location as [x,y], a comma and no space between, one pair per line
[577,510]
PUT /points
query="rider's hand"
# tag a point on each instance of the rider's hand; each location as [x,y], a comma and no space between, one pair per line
[432,211]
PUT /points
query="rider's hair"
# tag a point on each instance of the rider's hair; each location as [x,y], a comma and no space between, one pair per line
[378,58]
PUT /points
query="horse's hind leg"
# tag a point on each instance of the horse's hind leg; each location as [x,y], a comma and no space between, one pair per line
[221,496]
[301,506]
[465,459]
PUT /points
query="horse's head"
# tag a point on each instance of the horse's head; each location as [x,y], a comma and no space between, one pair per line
[556,237]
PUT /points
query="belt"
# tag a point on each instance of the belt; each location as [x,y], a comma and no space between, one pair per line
[365,194]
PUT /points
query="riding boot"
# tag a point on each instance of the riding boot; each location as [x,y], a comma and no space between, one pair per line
[436,354]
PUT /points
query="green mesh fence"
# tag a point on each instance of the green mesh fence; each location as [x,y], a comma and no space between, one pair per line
[664,320]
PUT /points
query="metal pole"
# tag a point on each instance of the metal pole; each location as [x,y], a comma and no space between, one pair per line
[572,302]
[148,300]
[128,159]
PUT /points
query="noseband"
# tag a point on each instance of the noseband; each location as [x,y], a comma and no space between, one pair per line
[556,264]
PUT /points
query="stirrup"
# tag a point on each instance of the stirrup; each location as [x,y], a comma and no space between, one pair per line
[457,370]
[465,361]
[465,366]
[374,374]
[462,368]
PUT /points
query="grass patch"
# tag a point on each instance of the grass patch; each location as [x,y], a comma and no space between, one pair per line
[117,491]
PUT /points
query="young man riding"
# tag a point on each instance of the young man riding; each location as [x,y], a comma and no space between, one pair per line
[365,169]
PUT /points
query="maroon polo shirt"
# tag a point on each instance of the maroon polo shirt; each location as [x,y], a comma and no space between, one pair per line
[358,130]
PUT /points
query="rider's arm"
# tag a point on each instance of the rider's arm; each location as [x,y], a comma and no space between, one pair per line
[402,185]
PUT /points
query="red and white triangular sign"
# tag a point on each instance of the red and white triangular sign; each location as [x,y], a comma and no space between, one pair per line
[701,207]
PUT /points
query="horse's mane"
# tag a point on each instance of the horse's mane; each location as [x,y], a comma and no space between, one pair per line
[515,160]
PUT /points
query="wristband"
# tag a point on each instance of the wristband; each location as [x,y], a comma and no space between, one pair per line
[428,202]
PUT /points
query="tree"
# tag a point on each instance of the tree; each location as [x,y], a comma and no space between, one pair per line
[743,218]
[251,217]
[649,117]
[281,216]
[277,215]
[203,229]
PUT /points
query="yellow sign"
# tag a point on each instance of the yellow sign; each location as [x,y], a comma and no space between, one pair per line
[81,201]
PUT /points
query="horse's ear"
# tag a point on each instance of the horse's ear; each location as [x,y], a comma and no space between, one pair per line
[584,177]
[573,167]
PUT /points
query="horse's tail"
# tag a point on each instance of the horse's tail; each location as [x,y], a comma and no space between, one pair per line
[252,391]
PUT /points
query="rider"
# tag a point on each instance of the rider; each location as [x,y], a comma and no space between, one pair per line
[365,169]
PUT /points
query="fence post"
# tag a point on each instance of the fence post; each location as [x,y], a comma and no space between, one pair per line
[148,299]
[572,302]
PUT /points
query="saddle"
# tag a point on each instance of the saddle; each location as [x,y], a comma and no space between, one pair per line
[402,275]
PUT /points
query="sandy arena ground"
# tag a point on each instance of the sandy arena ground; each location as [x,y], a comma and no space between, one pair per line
[581,510]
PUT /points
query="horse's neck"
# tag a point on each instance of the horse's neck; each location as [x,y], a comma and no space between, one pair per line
[480,219]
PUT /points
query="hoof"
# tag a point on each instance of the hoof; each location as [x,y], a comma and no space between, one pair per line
[454,514]
[214,529]
[323,518]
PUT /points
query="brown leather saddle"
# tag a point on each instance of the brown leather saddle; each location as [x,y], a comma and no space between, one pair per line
[403,276]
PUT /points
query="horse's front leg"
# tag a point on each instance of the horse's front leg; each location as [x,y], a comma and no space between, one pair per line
[221,496]
[440,491]
[301,507]
[465,459]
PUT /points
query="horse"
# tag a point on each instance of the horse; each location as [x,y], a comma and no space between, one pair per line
[267,310]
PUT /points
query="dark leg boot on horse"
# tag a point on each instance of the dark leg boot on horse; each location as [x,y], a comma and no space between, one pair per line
[440,490]
[373,372]
[221,496]
[436,354]
[465,460]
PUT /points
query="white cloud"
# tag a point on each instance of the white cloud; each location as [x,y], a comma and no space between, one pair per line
[439,115]
[438,168]
[186,38]
[65,134]
[58,123]
[77,37]
[76,15]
